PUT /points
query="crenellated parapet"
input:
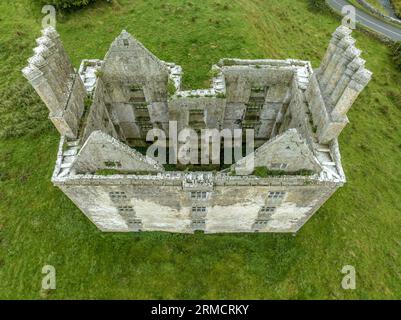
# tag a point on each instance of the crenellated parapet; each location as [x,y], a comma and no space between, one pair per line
[335,86]
[52,75]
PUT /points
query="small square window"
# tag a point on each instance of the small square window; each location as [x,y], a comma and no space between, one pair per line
[260,224]
[117,195]
[268,209]
[198,195]
[146,126]
[134,223]
[123,209]
[198,224]
[113,164]
[276,195]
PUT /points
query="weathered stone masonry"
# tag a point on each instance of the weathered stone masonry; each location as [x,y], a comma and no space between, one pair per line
[104,111]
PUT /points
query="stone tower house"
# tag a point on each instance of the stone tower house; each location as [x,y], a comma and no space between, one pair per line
[104,111]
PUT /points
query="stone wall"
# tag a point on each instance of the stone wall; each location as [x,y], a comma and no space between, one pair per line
[136,82]
[167,206]
[98,116]
[102,151]
[287,152]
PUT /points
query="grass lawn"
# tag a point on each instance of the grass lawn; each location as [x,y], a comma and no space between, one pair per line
[360,225]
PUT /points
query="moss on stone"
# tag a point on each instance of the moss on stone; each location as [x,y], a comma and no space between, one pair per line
[171,89]
[111,172]
[264,172]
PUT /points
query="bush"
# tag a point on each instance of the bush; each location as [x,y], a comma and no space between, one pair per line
[397,54]
[66,4]
[317,5]
[397,7]
[171,89]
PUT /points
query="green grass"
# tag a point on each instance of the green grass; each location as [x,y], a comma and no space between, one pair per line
[360,225]
[263,172]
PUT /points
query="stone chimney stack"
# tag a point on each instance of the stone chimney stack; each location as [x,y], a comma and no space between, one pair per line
[52,75]
[336,85]
[342,75]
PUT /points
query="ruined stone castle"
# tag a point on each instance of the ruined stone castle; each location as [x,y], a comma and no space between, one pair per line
[104,110]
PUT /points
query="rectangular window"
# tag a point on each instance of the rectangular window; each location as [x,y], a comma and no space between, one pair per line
[198,195]
[117,195]
[141,106]
[146,126]
[248,126]
[257,97]
[143,118]
[267,209]
[260,224]
[123,209]
[106,122]
[196,119]
[134,223]
[252,112]
[198,209]
[198,224]
[196,112]
[274,195]
[199,221]
[253,107]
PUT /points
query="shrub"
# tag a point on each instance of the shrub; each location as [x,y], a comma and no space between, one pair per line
[66,4]
[397,54]
[171,88]
[397,7]
[317,5]
[263,172]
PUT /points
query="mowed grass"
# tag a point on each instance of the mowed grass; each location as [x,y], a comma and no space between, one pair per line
[360,225]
